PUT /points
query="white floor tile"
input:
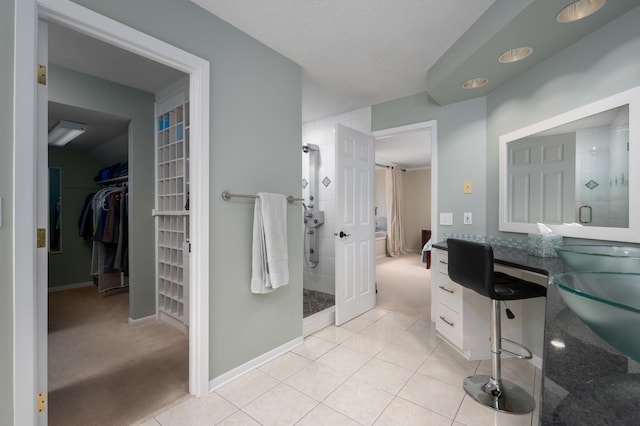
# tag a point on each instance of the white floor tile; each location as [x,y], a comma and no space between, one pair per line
[434,395]
[402,356]
[285,366]
[357,324]
[325,416]
[344,359]
[239,419]
[384,375]
[246,388]
[374,314]
[280,406]
[368,345]
[448,366]
[334,334]
[197,411]
[405,413]
[317,380]
[313,347]
[359,401]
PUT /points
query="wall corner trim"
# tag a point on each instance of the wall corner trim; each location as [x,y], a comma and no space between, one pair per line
[253,364]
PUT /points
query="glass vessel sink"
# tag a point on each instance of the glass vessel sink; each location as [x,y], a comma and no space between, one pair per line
[609,303]
[600,258]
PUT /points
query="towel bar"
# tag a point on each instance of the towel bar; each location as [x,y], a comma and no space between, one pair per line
[226,195]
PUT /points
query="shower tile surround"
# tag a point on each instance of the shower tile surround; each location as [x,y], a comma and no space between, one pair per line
[321,133]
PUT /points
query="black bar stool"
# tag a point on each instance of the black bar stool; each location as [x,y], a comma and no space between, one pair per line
[471,265]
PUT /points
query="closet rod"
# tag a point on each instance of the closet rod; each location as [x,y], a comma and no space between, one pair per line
[226,195]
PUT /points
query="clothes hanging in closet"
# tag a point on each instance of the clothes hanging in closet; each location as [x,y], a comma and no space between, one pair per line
[103,219]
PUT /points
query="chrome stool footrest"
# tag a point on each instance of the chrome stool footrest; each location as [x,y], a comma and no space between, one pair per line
[528,354]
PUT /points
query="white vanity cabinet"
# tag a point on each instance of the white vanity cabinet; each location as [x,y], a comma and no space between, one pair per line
[463,317]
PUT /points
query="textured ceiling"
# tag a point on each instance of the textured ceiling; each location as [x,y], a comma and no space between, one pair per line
[354,53]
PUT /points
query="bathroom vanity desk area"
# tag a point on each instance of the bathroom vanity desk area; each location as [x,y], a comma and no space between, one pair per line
[462,316]
[585,380]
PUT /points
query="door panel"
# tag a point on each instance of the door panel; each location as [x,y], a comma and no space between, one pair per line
[355,254]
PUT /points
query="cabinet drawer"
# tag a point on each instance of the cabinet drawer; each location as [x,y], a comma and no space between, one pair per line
[443,262]
[449,325]
[449,293]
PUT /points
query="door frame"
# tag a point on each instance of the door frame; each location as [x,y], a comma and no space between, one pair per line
[423,125]
[26,350]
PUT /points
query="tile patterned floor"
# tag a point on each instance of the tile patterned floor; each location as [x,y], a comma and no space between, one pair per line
[315,301]
[382,368]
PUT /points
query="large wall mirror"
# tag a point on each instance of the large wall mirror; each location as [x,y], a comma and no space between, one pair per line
[575,172]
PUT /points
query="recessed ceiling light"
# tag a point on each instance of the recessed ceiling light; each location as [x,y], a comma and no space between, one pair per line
[515,55]
[475,82]
[579,9]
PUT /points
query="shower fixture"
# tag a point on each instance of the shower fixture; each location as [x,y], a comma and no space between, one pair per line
[313,218]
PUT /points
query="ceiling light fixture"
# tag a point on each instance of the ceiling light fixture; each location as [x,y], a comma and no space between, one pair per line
[475,82]
[515,55]
[65,131]
[578,10]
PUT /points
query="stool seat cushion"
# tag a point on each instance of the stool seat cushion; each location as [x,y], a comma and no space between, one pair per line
[508,287]
[471,266]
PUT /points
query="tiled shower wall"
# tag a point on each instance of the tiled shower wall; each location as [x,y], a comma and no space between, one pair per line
[321,132]
[608,166]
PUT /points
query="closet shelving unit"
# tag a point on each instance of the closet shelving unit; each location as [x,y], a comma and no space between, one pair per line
[171,212]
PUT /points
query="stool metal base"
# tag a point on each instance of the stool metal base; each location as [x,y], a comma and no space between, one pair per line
[511,399]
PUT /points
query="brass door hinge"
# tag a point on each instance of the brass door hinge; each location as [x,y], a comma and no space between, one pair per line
[41,238]
[42,75]
[42,402]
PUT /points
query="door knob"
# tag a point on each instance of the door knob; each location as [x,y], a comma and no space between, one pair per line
[341,234]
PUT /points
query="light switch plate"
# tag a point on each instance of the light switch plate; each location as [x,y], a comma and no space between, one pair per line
[446,218]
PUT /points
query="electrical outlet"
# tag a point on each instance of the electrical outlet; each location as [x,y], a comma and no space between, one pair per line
[467,218]
[468,187]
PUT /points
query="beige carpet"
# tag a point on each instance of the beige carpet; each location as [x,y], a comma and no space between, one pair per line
[404,285]
[104,372]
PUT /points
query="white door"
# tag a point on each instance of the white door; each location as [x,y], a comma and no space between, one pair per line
[42,173]
[355,226]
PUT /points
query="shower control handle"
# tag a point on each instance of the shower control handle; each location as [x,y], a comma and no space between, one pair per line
[341,234]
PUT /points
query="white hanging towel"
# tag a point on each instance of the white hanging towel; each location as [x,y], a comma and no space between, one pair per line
[270,263]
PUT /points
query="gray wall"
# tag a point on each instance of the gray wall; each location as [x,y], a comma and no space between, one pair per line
[84,91]
[461,152]
[602,64]
[73,265]
[6,193]
[255,146]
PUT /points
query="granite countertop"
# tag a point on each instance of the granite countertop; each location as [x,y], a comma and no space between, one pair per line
[585,380]
[519,258]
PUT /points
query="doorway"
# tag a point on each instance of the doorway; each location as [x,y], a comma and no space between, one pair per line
[30,296]
[404,281]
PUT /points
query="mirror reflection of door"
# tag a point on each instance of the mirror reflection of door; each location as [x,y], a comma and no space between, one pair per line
[55,210]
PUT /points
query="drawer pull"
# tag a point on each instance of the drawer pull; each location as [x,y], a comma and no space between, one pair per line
[443,262]
[446,320]
[446,289]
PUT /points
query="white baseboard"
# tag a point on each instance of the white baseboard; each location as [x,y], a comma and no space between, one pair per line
[318,321]
[173,322]
[70,286]
[253,364]
[140,321]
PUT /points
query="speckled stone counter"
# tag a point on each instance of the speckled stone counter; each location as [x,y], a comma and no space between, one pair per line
[586,382]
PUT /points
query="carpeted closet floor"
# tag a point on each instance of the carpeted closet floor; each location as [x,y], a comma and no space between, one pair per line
[104,372]
[404,285]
